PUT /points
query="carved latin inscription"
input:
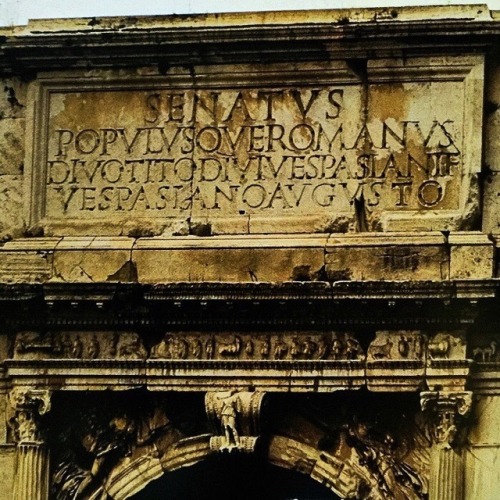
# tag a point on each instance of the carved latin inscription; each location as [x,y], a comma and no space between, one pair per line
[258,150]
[269,150]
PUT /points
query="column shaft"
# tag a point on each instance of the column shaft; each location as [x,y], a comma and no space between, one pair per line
[447,474]
[32,472]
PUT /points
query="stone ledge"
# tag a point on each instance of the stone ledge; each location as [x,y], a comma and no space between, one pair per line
[279,258]
[199,375]
[238,259]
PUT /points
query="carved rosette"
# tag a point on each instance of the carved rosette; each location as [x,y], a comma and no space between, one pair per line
[446,410]
[28,406]
[235,419]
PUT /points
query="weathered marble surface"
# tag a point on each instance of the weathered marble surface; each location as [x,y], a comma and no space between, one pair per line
[262,155]
[342,148]
[255,258]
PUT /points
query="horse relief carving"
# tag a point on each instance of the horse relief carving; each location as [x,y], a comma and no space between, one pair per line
[485,353]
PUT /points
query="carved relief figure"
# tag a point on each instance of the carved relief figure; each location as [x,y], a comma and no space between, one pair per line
[323,348]
[249,349]
[249,346]
[378,453]
[303,348]
[105,443]
[403,346]
[93,349]
[382,351]
[397,345]
[309,348]
[337,349]
[179,348]
[447,345]
[485,353]
[37,344]
[130,347]
[162,350]
[113,351]
[93,440]
[26,341]
[235,419]
[265,348]
[66,345]
[231,349]
[295,349]
[419,344]
[210,347]
[280,349]
[439,348]
[228,421]
[77,348]
[196,348]
[353,349]
[99,345]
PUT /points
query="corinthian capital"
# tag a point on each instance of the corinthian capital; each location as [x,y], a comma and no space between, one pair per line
[445,410]
[28,405]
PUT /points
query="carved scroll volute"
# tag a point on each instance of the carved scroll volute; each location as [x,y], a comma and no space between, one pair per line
[28,405]
[446,410]
[235,419]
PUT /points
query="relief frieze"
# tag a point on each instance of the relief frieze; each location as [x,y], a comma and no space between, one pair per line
[189,346]
[328,346]
[387,345]
[79,345]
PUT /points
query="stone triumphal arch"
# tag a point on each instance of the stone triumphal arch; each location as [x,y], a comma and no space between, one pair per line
[251,256]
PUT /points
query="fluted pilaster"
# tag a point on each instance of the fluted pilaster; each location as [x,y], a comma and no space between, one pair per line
[447,474]
[445,411]
[31,481]
[32,473]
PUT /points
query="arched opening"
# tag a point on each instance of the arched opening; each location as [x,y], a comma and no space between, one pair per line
[234,476]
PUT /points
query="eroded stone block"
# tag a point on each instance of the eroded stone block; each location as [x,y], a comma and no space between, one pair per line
[94,259]
[379,256]
[229,259]
[12,146]
[11,199]
[27,260]
[471,256]
[13,99]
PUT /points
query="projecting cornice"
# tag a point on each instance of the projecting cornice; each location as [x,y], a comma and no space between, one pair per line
[207,39]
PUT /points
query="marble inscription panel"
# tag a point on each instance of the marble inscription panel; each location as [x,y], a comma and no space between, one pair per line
[351,152]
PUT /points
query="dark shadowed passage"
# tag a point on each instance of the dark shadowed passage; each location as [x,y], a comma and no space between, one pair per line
[234,477]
